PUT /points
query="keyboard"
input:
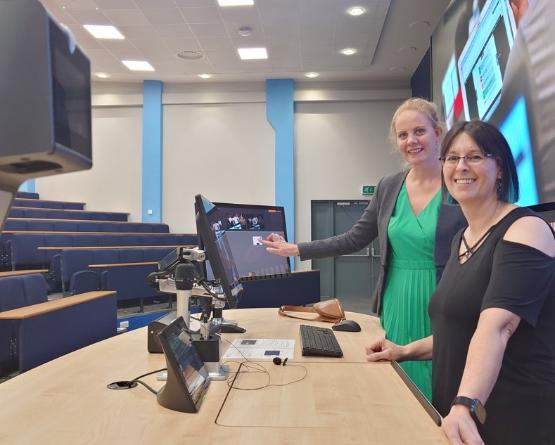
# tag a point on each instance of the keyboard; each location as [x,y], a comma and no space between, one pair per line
[319,341]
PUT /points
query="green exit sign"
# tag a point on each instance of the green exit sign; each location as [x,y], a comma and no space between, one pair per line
[368,189]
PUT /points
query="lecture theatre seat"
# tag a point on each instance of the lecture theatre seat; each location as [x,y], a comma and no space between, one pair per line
[53,225]
[23,212]
[24,250]
[38,203]
[34,330]
[72,262]
[27,195]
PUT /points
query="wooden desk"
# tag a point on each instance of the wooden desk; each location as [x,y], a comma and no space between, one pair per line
[15,273]
[341,401]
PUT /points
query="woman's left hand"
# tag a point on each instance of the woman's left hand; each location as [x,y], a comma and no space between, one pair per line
[460,428]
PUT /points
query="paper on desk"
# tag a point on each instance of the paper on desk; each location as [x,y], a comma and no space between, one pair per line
[260,348]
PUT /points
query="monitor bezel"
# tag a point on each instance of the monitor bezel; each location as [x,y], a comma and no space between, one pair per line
[207,242]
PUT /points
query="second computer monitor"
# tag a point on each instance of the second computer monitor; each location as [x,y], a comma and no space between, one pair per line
[242,226]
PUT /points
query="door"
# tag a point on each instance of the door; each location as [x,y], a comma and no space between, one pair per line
[346,276]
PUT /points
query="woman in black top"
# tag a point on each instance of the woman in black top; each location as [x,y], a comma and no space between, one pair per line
[493,312]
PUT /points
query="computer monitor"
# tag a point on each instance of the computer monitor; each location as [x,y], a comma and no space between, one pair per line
[45,106]
[187,375]
[218,251]
[484,57]
[243,226]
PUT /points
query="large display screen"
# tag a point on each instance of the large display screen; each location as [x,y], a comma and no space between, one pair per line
[482,70]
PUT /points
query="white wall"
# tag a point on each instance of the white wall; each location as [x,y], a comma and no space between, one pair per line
[218,142]
[114,182]
[339,147]
[224,151]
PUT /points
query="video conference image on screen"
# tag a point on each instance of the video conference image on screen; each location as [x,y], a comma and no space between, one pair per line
[238,230]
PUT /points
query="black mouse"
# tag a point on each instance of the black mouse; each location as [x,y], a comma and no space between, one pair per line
[346,325]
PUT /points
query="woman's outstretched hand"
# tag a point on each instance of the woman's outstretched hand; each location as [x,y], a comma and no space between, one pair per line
[277,245]
[385,350]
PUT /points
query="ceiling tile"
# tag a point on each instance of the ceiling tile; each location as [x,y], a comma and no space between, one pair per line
[201,15]
[89,17]
[116,4]
[195,3]
[80,4]
[156,4]
[178,31]
[126,17]
[176,45]
[163,16]
[208,30]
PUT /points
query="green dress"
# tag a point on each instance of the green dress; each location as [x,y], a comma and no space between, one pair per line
[411,280]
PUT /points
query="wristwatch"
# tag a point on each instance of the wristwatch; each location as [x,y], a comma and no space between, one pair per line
[477,410]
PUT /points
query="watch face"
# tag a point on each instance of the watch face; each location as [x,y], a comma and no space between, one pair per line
[479,411]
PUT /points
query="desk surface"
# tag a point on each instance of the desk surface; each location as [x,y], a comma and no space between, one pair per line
[341,401]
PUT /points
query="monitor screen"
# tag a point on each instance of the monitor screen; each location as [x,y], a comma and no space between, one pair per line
[242,226]
[189,376]
[218,251]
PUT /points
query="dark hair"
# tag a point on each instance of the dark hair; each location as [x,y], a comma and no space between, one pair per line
[490,140]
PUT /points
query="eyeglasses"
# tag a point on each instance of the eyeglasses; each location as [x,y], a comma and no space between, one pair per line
[472,159]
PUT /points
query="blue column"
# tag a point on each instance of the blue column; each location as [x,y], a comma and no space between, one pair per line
[28,186]
[280,114]
[152,151]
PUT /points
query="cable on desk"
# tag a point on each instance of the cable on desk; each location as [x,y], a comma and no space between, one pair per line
[253,367]
[129,384]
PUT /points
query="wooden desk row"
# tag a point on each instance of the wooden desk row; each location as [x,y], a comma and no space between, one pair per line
[341,401]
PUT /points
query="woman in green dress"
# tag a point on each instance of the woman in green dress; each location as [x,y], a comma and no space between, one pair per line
[414,231]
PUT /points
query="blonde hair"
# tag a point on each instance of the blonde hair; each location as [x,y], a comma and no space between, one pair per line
[423,106]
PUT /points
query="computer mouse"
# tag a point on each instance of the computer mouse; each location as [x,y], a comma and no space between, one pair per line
[347,326]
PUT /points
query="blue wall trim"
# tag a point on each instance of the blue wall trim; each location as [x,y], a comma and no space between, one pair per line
[280,110]
[28,186]
[152,151]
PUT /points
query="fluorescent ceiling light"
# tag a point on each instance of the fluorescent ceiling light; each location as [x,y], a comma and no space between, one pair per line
[224,3]
[312,75]
[138,65]
[102,75]
[205,76]
[356,10]
[348,51]
[104,31]
[252,53]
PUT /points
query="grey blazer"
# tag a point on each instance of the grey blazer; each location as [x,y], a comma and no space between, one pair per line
[373,223]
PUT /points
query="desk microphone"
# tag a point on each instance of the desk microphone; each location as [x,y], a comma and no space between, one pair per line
[277,361]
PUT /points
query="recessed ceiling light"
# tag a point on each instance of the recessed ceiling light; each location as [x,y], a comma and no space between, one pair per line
[205,76]
[312,75]
[356,10]
[348,51]
[102,75]
[104,31]
[252,53]
[190,55]
[245,31]
[138,65]
[224,3]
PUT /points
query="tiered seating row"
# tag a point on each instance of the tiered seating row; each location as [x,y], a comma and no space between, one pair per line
[36,203]
[34,330]
[21,212]
[76,274]
[26,253]
[27,195]
[52,225]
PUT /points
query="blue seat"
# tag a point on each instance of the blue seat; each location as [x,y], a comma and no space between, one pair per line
[20,291]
